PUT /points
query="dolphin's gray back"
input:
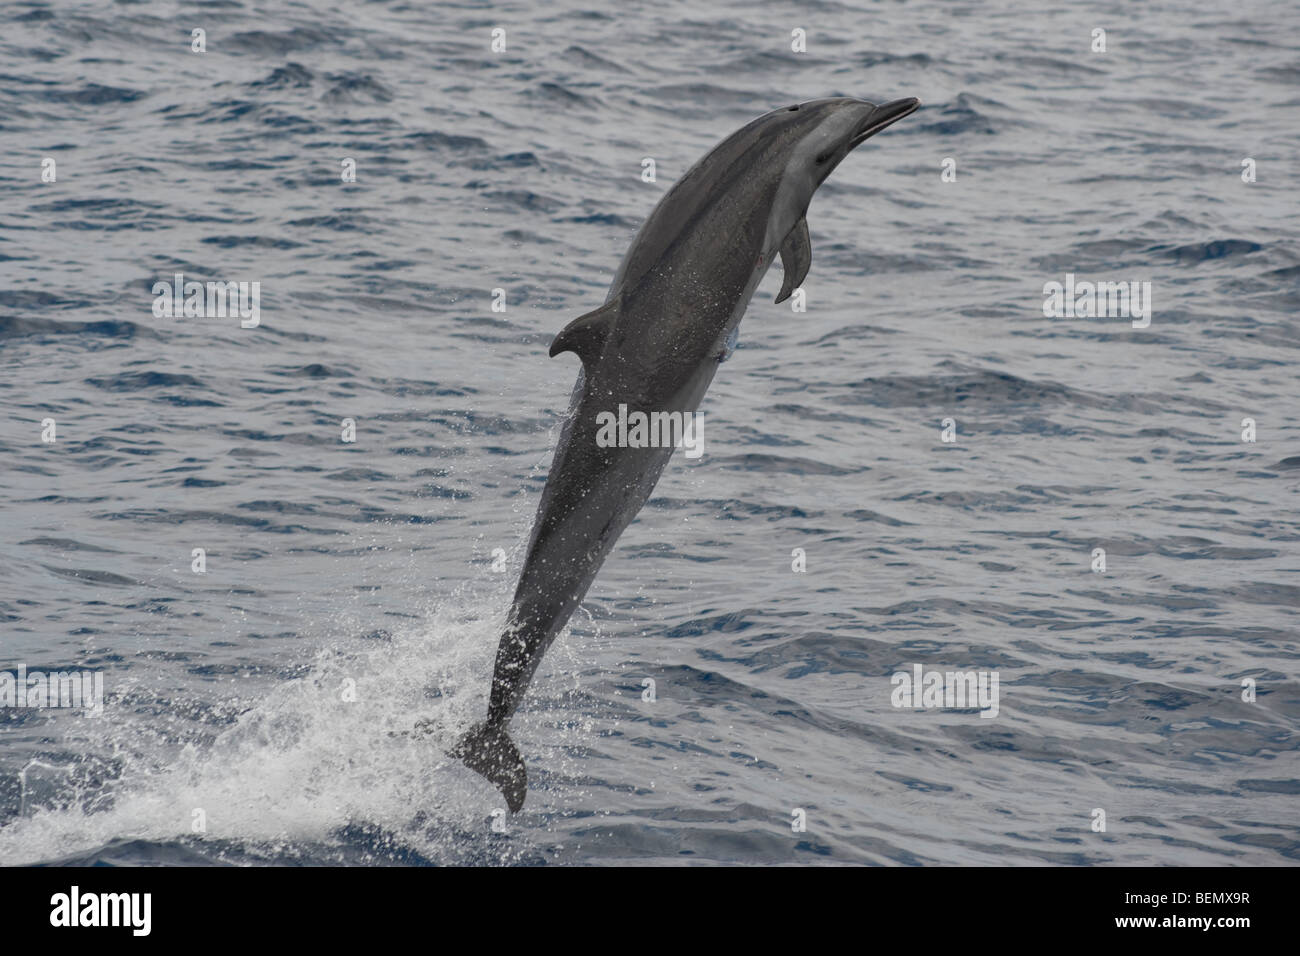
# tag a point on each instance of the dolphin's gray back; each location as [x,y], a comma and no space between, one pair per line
[676,296]
[735,179]
[652,348]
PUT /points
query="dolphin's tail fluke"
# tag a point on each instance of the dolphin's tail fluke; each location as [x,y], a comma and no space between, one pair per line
[489,751]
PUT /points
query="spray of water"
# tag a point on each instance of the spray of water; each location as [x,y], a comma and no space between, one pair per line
[342,763]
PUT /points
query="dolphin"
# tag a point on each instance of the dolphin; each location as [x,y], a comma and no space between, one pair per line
[671,315]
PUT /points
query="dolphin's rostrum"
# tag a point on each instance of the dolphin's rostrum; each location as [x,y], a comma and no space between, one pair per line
[671,315]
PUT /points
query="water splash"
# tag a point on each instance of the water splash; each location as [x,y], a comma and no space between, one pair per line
[322,765]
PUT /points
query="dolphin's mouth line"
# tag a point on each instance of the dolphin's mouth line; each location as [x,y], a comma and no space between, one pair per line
[884,115]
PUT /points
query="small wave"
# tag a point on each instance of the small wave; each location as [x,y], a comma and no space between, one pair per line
[136,381]
[266,43]
[582,57]
[556,94]
[953,119]
[357,88]
[1194,253]
[93,94]
[12,328]
[284,77]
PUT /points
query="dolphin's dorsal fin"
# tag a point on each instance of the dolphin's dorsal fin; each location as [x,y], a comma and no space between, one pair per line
[585,336]
[796,259]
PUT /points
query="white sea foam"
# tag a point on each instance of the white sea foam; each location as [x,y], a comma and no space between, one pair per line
[302,762]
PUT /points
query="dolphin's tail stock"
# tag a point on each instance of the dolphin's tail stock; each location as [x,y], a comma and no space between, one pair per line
[489,751]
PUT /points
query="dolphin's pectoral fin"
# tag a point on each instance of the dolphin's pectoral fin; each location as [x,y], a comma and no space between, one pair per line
[489,751]
[796,259]
[729,346]
[585,336]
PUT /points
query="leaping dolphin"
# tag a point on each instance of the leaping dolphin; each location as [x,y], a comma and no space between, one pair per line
[671,315]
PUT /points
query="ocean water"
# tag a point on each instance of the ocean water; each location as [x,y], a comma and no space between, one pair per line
[291,703]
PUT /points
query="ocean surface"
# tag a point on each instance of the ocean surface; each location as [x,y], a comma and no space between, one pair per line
[291,704]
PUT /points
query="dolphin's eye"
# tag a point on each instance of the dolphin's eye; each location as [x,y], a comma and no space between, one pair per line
[823,157]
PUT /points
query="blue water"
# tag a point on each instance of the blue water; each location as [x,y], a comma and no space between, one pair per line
[266,711]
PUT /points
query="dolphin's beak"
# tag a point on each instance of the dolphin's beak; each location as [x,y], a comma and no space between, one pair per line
[886,114]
